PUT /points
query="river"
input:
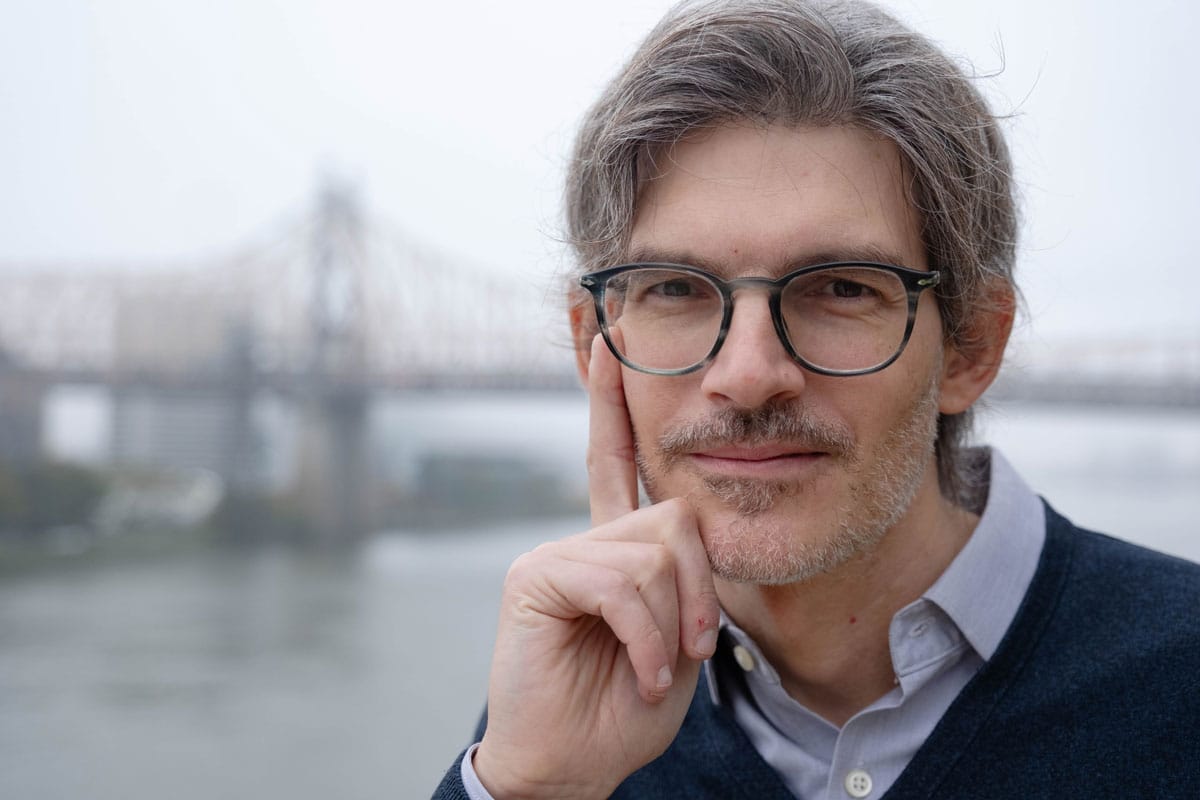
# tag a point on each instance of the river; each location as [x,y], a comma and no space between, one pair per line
[272,673]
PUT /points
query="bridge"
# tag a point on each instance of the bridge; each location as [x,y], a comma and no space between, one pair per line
[326,310]
[331,308]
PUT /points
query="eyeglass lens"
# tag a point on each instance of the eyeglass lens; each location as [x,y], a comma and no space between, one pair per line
[841,318]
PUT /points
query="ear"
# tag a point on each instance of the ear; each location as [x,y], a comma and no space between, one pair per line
[970,366]
[583,330]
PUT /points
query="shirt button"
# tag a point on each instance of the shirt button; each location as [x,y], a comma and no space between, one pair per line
[858,783]
[919,629]
[742,656]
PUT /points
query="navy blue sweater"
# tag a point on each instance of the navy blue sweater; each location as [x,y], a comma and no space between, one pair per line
[1094,692]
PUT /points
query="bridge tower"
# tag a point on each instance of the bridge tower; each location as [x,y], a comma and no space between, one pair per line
[332,474]
[22,395]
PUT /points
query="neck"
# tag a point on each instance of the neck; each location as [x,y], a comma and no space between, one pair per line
[828,636]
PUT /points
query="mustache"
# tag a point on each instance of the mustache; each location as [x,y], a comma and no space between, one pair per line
[786,422]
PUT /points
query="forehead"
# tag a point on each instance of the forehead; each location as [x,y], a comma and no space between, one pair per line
[762,199]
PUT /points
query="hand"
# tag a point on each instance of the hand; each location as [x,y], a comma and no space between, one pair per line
[601,635]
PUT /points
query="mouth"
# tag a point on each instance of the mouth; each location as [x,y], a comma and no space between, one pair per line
[772,462]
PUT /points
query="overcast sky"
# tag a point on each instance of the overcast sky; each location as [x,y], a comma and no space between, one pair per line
[140,130]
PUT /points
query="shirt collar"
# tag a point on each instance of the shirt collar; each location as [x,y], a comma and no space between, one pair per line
[983,587]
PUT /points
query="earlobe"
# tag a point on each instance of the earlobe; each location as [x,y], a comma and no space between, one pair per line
[970,367]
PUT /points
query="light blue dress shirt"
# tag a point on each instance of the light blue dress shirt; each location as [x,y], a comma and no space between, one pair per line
[937,644]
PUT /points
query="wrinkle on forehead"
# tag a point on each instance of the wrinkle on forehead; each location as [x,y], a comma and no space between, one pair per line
[829,182]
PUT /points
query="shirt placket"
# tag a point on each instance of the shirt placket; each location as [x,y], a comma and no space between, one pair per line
[923,641]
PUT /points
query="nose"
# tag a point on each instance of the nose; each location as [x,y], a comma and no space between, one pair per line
[752,367]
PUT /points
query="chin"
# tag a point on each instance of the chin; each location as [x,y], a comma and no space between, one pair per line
[780,548]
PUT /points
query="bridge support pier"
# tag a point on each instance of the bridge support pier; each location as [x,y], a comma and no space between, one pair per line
[22,403]
[332,475]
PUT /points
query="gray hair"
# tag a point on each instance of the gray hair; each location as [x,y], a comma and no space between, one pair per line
[818,62]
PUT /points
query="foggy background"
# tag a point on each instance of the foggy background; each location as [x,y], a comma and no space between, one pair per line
[283,384]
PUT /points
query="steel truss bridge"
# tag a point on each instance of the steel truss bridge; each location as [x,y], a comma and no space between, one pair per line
[332,307]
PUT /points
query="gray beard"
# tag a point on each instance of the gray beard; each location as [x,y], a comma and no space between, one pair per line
[757,549]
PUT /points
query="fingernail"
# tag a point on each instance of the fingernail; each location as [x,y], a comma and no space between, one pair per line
[664,678]
[706,642]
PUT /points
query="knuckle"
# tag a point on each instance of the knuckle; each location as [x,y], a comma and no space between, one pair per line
[613,394]
[543,550]
[600,459]
[526,565]
[626,453]
[678,520]
[676,505]
[649,633]
[518,570]
[677,511]
[659,561]
[707,597]
[616,587]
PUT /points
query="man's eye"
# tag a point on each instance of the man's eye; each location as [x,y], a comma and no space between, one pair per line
[848,289]
[670,288]
[676,288]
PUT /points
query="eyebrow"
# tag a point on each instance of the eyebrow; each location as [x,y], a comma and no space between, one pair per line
[855,253]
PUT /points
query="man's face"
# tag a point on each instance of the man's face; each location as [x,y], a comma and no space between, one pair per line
[791,473]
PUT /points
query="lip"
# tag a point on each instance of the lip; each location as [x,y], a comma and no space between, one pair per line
[768,461]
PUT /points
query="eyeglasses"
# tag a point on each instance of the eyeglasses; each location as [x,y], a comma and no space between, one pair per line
[846,318]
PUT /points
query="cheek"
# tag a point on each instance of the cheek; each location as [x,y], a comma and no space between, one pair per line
[653,402]
[921,363]
[926,343]
[647,398]
[874,406]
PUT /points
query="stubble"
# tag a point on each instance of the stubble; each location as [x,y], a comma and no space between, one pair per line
[763,548]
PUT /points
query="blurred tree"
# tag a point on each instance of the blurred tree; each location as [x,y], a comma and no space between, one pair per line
[12,501]
[46,495]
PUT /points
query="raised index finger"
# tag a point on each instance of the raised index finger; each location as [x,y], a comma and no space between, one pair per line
[612,470]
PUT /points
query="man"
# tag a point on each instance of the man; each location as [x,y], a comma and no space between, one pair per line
[796,226]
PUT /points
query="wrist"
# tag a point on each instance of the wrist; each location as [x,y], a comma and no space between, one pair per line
[503,782]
